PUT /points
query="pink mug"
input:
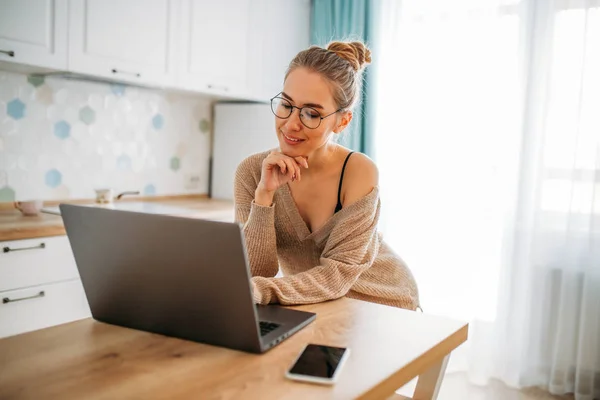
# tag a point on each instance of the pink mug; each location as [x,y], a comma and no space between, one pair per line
[32,207]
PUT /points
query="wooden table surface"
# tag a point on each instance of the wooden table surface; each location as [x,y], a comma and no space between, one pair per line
[91,360]
[16,226]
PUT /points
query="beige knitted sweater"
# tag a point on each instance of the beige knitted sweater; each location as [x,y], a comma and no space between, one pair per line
[345,257]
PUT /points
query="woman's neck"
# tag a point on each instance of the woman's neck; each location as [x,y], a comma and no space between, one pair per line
[321,159]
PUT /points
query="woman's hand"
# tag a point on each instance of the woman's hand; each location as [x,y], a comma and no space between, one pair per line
[277,169]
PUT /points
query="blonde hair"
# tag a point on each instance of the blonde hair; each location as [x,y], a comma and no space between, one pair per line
[341,63]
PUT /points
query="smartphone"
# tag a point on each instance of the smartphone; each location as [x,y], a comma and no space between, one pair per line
[318,364]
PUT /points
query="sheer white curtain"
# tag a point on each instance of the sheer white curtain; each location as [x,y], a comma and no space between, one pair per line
[488,142]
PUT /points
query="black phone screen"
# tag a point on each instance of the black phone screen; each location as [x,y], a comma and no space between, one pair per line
[319,361]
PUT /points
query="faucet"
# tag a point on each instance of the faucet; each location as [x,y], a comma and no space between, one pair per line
[126,193]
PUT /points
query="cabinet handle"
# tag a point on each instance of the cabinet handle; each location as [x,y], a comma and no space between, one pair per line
[35,296]
[115,71]
[7,249]
[10,53]
[224,88]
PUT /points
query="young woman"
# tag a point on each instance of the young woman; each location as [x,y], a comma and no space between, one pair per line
[311,207]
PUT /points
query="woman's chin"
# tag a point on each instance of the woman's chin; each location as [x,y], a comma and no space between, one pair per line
[290,151]
[293,153]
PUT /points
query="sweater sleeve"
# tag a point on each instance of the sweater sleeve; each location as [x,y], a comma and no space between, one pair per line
[258,222]
[351,249]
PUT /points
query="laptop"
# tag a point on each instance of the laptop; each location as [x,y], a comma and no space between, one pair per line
[176,276]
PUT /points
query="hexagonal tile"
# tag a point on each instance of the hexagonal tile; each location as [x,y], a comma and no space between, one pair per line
[71,113]
[78,96]
[33,143]
[25,162]
[96,101]
[44,95]
[118,118]
[117,89]
[26,93]
[62,129]
[36,111]
[204,125]
[181,149]
[149,190]
[8,161]
[69,148]
[137,164]
[7,194]
[15,108]
[35,80]
[175,163]
[55,112]
[61,96]
[123,105]
[8,127]
[158,121]
[132,119]
[10,89]
[53,178]
[61,192]
[87,115]
[124,163]
[151,163]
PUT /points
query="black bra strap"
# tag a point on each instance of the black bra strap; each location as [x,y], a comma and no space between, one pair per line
[338,207]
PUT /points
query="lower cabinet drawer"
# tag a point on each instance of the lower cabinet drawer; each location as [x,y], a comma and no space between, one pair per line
[41,306]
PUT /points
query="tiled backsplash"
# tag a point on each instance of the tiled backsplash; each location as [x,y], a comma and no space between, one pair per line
[62,139]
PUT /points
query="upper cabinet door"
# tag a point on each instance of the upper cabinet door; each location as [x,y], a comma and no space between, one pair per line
[280,29]
[214,46]
[34,32]
[126,40]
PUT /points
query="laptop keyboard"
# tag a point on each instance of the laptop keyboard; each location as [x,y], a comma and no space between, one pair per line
[266,327]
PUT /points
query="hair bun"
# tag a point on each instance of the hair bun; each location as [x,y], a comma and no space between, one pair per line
[356,53]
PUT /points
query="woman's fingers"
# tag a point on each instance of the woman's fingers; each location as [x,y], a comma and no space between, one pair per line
[291,168]
[282,166]
[298,169]
[301,161]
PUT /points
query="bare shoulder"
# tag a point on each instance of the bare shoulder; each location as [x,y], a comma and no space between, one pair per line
[360,177]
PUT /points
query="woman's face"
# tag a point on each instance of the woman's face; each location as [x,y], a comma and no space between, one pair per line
[305,88]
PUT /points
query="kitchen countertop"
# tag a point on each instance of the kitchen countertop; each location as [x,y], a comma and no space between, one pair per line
[16,226]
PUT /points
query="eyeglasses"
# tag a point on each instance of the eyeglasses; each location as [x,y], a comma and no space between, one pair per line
[309,117]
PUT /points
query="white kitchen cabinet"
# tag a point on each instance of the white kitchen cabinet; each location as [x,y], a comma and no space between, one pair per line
[39,285]
[214,41]
[38,307]
[236,49]
[37,261]
[278,31]
[34,33]
[125,40]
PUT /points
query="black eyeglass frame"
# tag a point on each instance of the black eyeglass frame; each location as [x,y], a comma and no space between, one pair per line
[300,110]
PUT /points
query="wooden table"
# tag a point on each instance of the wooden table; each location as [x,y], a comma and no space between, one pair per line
[91,360]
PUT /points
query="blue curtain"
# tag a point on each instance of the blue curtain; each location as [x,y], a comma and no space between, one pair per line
[350,20]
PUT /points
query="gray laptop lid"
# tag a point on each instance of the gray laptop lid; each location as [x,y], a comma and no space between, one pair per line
[149,272]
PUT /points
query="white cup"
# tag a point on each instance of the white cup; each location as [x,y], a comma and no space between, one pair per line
[31,207]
